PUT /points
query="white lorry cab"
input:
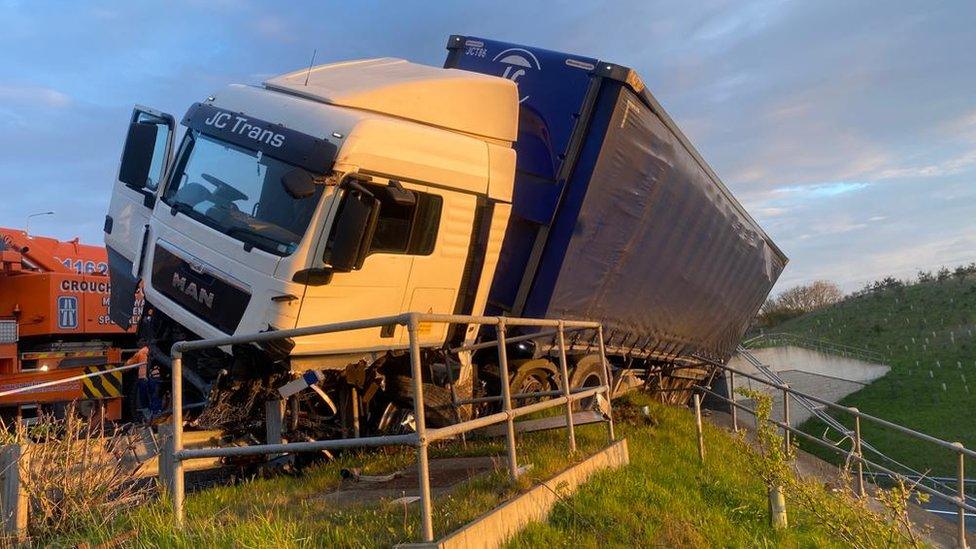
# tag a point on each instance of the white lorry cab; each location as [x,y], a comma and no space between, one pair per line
[340,192]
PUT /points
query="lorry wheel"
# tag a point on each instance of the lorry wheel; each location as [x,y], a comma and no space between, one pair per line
[533,377]
[587,373]
[438,406]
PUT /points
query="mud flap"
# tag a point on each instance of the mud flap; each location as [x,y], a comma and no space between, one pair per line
[122,300]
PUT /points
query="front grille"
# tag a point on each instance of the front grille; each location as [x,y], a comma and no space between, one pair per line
[204,294]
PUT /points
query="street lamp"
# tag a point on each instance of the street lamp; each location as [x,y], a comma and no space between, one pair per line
[27,227]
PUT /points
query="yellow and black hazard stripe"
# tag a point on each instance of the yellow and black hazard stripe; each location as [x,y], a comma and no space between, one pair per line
[104,386]
[60,354]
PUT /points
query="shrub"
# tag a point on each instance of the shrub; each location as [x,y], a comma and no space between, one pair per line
[848,517]
[76,473]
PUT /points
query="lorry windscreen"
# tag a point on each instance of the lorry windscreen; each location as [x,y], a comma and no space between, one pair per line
[239,192]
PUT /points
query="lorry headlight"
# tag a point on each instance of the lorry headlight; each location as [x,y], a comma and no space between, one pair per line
[522,349]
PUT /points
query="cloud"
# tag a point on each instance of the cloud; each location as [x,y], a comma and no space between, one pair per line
[275,27]
[770,212]
[739,20]
[881,230]
[33,96]
[823,190]
[951,166]
[780,201]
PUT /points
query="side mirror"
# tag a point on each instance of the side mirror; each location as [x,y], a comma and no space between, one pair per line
[140,144]
[313,277]
[353,231]
[298,183]
[395,193]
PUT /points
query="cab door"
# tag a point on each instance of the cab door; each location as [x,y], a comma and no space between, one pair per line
[437,270]
[145,157]
[373,289]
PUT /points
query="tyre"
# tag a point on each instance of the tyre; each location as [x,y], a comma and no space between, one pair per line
[587,373]
[438,406]
[534,376]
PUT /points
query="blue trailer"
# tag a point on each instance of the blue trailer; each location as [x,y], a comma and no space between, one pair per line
[616,217]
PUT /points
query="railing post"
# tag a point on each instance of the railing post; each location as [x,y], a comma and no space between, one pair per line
[698,427]
[14,500]
[606,381]
[564,372]
[961,542]
[274,412]
[858,452]
[786,420]
[777,508]
[354,403]
[165,459]
[176,464]
[507,401]
[423,464]
[735,409]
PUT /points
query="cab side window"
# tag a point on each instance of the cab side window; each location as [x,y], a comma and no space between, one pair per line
[408,230]
[156,168]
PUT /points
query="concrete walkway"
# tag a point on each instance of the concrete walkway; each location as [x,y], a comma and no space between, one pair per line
[827,376]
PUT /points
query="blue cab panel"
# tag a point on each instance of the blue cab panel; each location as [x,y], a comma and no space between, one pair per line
[552,87]
[552,92]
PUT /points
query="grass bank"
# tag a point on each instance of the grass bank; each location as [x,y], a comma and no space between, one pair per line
[927,331]
[289,511]
[665,497]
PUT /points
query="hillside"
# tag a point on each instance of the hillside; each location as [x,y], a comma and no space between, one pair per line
[926,331]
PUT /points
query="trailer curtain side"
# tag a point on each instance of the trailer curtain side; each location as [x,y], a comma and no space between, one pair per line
[649,245]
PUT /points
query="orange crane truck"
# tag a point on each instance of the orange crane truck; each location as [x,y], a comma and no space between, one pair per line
[54,325]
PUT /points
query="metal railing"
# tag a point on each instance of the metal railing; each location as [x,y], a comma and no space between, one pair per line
[856,452]
[832,423]
[423,436]
[43,385]
[814,344]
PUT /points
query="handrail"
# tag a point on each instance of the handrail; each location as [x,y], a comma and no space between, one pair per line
[36,386]
[827,419]
[961,501]
[423,437]
[852,411]
[816,344]
[793,430]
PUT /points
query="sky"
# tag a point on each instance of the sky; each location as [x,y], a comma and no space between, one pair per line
[847,128]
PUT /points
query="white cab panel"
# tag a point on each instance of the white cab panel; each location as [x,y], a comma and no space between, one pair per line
[459,100]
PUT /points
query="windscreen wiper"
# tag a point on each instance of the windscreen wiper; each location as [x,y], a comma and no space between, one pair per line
[181,207]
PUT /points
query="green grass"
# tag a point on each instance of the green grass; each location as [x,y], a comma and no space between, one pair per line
[664,497]
[286,511]
[920,329]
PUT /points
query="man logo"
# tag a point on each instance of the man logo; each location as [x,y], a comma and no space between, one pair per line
[67,312]
[517,61]
[201,295]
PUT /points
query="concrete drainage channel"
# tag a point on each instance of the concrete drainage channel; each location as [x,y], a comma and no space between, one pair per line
[501,523]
